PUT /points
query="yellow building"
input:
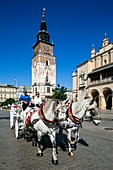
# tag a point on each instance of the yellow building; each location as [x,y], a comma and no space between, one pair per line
[7,91]
[94,77]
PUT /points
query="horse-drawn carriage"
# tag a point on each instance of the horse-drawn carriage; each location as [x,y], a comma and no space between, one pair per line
[47,119]
[14,118]
[18,118]
[14,114]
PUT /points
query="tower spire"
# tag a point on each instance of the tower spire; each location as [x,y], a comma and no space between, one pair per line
[43,14]
[105,40]
[43,26]
[43,35]
[92,51]
[105,35]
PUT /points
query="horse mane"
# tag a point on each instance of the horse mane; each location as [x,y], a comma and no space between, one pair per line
[50,104]
[93,104]
[78,106]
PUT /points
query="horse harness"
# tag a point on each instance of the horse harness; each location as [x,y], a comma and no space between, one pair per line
[47,122]
[73,118]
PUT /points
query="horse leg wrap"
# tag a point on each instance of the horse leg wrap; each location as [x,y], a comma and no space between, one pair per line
[70,153]
[55,156]
[39,153]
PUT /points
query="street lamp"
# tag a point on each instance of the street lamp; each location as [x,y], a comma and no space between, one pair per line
[15,82]
[16,88]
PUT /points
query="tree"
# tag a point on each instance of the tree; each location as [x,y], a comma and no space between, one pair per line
[59,93]
[8,101]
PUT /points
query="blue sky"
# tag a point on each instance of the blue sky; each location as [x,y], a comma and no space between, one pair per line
[73,26]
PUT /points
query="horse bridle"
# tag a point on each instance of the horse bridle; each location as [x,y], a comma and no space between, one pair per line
[94,116]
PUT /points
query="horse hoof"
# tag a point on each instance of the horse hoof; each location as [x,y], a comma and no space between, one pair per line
[12,127]
[18,137]
[55,162]
[40,154]
[70,154]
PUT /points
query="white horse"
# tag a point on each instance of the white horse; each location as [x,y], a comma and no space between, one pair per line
[73,118]
[45,123]
[20,122]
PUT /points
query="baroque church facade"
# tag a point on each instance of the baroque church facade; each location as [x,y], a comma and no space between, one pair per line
[43,63]
[94,77]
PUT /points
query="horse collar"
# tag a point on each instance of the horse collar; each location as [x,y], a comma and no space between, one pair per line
[73,118]
[50,123]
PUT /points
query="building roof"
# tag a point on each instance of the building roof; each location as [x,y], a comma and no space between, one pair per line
[83,63]
[7,85]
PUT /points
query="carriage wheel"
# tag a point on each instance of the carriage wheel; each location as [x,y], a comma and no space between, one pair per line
[16,129]
[11,121]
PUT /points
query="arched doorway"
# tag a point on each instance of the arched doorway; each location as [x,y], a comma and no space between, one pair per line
[107,92]
[95,95]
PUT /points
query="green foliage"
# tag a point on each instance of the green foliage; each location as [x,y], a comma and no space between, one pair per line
[8,101]
[59,93]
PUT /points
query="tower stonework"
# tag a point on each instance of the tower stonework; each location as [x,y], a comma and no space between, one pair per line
[43,63]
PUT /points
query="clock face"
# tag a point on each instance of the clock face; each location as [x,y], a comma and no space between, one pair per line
[46,47]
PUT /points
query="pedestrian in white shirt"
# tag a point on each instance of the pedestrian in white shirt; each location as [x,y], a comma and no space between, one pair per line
[37,100]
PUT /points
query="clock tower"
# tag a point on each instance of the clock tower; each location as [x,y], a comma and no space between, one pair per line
[43,63]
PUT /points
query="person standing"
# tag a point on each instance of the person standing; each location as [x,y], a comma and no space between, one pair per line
[25,99]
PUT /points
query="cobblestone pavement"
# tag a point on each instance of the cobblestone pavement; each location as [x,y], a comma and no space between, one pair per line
[94,150]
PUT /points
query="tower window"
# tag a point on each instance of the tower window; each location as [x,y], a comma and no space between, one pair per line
[47,63]
[40,37]
[45,37]
[48,89]
[46,78]
[35,90]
